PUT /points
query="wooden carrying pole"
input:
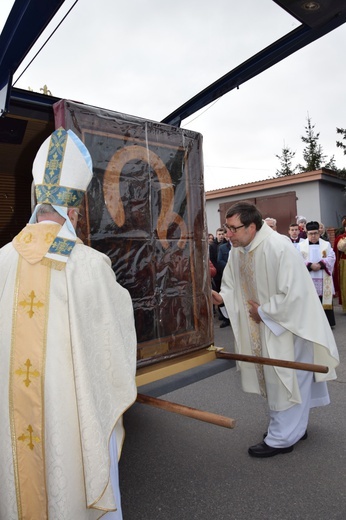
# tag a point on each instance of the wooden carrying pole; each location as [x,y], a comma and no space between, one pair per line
[309,367]
[218,420]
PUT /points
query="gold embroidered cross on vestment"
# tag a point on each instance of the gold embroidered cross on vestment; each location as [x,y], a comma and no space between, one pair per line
[31,304]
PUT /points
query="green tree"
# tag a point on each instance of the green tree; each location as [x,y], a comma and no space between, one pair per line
[285,159]
[340,144]
[341,172]
[313,152]
[331,164]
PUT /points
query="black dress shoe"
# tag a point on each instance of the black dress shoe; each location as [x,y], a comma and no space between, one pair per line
[262,450]
[305,436]
[225,324]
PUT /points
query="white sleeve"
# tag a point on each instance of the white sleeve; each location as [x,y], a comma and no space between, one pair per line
[275,327]
[224,311]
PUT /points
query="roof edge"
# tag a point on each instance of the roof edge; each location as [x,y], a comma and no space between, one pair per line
[274,182]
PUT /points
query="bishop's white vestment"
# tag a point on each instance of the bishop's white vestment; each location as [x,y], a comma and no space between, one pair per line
[67,371]
[272,273]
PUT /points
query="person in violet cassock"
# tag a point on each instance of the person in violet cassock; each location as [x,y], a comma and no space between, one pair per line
[67,355]
[275,312]
[319,259]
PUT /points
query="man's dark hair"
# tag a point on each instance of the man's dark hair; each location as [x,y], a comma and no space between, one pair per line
[294,224]
[248,214]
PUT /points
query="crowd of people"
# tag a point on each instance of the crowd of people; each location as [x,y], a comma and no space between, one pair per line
[266,289]
[324,261]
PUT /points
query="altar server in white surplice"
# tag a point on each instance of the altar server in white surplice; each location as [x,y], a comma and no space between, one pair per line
[319,259]
[67,355]
[275,312]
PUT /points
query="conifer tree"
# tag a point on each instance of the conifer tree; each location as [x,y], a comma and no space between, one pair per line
[331,164]
[286,162]
[313,152]
[340,144]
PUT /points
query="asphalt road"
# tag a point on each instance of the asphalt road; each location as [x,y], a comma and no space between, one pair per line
[177,468]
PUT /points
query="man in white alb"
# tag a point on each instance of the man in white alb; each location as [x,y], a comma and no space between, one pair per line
[275,312]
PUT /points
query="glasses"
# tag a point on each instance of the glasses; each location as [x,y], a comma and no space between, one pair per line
[313,232]
[234,229]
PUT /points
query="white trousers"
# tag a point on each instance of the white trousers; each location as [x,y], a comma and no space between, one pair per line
[288,426]
[114,473]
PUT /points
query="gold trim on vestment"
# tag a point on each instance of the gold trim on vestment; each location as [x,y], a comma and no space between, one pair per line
[249,292]
[28,349]
[327,298]
[53,264]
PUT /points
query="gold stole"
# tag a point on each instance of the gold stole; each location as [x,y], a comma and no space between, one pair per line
[249,292]
[28,350]
[327,298]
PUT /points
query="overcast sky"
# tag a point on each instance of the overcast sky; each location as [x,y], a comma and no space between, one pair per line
[148,57]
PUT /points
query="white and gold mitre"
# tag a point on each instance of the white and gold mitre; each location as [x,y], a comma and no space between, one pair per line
[62,170]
